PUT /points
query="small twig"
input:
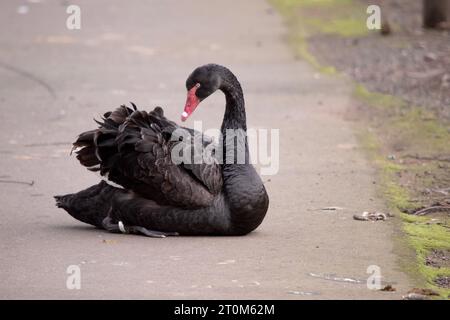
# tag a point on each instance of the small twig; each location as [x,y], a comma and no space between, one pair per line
[426,75]
[327,209]
[18,182]
[30,76]
[47,144]
[444,191]
[425,211]
[417,157]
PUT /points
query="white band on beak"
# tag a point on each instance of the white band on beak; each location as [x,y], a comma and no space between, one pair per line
[184,114]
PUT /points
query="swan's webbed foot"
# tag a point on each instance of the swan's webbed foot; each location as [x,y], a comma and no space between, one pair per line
[108,225]
[144,231]
[120,227]
[151,233]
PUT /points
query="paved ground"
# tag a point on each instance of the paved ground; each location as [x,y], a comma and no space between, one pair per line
[54,81]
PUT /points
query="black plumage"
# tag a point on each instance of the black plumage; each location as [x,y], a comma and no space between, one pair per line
[133,149]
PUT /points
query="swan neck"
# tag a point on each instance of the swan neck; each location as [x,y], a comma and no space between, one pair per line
[234,125]
[234,117]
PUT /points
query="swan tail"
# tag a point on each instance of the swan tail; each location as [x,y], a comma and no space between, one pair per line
[97,149]
[91,205]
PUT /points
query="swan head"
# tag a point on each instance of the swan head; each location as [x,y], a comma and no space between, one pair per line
[202,82]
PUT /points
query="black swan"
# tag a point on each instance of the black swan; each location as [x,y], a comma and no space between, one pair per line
[148,193]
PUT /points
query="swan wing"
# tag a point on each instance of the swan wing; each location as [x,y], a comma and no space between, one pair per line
[134,150]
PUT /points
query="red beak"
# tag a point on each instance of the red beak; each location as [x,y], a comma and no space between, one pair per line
[192,102]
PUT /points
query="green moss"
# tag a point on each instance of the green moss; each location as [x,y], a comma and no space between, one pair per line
[290,4]
[428,236]
[324,3]
[398,197]
[424,237]
[342,18]
[429,137]
[301,48]
[409,125]
[346,18]
[415,128]
[411,129]
[345,27]
[375,99]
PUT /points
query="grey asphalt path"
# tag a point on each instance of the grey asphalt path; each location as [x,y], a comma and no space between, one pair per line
[53,81]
